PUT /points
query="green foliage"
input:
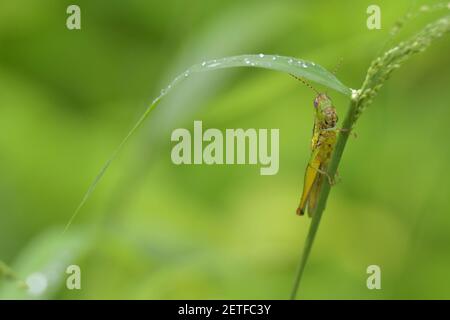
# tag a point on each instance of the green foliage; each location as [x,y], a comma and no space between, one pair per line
[297,67]
[68,97]
[381,68]
[379,71]
[46,258]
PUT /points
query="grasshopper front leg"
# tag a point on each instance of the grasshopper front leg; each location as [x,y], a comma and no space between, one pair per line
[347,130]
[331,181]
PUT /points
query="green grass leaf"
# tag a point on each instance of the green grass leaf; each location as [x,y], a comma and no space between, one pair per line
[298,67]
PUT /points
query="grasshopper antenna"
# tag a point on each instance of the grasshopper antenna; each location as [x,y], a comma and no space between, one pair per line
[335,69]
[306,83]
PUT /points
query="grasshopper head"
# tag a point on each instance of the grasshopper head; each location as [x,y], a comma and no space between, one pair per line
[322,101]
[325,111]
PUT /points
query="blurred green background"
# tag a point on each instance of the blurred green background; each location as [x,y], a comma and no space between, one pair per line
[154,230]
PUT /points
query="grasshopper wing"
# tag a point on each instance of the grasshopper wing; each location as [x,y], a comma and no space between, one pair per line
[314,194]
[311,175]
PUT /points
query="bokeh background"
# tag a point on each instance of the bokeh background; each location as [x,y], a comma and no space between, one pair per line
[154,230]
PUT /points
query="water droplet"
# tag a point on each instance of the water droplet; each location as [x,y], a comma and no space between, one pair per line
[203,63]
[252,64]
[313,64]
[37,283]
[246,61]
[261,55]
[290,61]
[355,93]
[274,58]
[186,74]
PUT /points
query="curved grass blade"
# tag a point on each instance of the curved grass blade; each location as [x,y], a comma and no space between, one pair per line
[300,68]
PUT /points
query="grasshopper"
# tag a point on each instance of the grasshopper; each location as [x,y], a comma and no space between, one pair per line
[322,145]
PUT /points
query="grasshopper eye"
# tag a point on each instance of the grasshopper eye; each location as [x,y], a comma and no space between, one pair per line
[316,103]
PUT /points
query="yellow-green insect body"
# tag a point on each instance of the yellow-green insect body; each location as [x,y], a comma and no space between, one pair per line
[322,145]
